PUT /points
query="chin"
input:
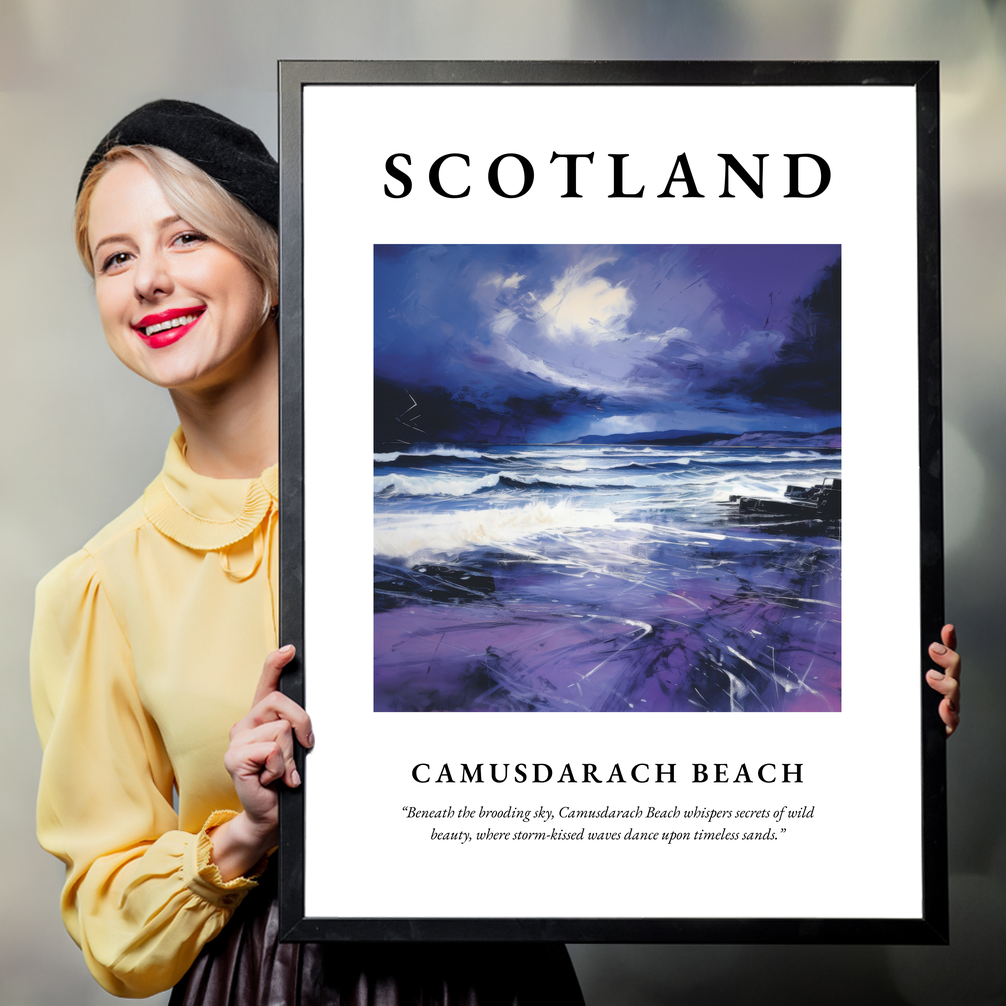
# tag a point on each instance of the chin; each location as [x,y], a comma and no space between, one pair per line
[191,364]
[173,374]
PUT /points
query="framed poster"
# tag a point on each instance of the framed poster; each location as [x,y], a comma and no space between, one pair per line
[611,501]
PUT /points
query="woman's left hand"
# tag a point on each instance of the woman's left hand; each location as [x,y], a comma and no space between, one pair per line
[948,681]
[260,754]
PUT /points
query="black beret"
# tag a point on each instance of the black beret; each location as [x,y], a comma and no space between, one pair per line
[231,154]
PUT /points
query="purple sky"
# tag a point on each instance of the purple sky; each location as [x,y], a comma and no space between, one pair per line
[614,339]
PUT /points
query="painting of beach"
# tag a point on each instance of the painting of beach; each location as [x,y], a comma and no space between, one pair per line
[607,478]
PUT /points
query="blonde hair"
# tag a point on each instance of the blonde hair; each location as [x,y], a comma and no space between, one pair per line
[199,200]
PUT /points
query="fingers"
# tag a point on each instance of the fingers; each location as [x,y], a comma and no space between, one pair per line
[950,716]
[279,764]
[949,636]
[949,687]
[277,706]
[270,703]
[947,658]
[949,712]
[271,671]
[947,681]
[262,761]
[265,751]
[261,750]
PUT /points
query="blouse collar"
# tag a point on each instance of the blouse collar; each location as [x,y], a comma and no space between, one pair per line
[204,513]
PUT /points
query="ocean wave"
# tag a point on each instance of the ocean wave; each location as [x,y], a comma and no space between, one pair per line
[617,464]
[418,485]
[443,485]
[430,455]
[419,537]
[593,453]
[550,481]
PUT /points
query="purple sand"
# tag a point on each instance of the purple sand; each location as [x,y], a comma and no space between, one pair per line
[761,632]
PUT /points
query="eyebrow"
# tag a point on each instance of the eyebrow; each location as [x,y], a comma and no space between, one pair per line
[111,238]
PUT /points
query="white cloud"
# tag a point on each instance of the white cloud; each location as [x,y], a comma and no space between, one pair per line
[500,282]
[504,321]
[525,363]
[626,424]
[756,349]
[583,308]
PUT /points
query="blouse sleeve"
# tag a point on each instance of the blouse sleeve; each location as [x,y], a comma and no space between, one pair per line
[141,898]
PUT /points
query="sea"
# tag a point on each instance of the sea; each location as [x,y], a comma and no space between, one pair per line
[602,577]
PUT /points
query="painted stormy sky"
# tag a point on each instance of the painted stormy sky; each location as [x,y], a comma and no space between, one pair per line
[544,343]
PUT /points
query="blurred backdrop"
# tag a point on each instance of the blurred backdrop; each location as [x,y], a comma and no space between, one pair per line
[83,437]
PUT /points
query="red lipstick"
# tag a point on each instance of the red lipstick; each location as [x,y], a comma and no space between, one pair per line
[166,327]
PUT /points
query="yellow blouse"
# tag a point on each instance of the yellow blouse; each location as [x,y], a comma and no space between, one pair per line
[147,647]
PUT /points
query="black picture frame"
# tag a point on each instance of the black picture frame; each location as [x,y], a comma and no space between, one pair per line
[931,926]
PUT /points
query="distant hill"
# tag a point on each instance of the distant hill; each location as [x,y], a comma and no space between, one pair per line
[784,438]
[827,439]
[656,437]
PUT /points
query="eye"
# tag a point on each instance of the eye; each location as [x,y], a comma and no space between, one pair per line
[115,261]
[189,239]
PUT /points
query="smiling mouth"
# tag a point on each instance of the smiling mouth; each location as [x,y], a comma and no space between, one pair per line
[166,322]
[185,319]
[167,327]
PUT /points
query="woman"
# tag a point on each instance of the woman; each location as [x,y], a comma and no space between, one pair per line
[148,643]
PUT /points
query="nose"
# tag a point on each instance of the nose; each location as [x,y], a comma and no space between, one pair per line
[152,277]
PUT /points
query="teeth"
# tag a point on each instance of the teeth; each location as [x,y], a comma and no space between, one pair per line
[174,323]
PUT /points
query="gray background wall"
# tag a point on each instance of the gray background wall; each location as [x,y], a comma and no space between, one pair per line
[82,436]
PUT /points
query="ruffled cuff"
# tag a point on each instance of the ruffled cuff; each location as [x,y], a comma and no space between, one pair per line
[203,878]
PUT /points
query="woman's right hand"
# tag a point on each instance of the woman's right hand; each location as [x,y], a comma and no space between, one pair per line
[259,754]
[948,681]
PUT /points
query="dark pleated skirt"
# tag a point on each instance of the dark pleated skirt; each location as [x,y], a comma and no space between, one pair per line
[246,965]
